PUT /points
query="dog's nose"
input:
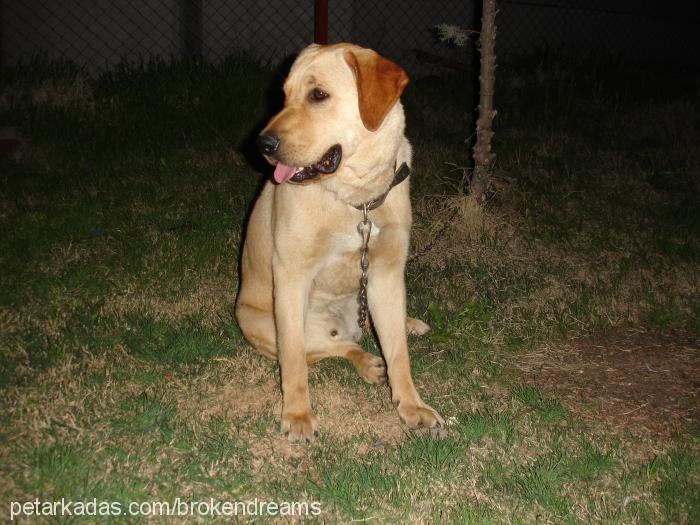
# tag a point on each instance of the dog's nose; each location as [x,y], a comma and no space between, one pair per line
[268,144]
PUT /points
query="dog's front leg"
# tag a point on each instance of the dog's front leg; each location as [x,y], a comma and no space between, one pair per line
[386,295]
[291,295]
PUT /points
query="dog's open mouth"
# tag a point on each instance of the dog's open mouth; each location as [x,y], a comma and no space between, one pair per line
[325,166]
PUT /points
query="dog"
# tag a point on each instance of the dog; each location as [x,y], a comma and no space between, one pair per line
[340,157]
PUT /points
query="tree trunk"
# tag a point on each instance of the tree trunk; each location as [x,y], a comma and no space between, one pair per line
[483,155]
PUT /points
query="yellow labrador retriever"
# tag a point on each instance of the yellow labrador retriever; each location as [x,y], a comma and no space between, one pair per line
[340,158]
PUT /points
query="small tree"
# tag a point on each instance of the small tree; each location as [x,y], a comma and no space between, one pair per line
[484,157]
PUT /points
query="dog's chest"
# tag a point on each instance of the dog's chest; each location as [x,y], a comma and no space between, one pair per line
[350,240]
[340,272]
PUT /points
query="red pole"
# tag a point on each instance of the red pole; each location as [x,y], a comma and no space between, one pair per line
[321,21]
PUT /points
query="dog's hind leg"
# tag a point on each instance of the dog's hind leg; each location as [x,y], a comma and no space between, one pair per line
[258,327]
[370,367]
[416,326]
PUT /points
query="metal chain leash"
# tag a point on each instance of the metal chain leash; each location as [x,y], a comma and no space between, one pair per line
[364,228]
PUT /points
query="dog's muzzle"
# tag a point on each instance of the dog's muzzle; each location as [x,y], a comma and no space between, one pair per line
[326,165]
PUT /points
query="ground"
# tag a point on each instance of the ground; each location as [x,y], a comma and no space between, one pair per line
[565,312]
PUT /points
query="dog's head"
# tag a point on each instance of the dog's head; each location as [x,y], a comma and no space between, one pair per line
[334,96]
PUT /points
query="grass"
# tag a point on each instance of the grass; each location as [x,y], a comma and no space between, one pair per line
[125,377]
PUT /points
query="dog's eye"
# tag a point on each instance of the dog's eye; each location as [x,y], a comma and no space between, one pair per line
[317,95]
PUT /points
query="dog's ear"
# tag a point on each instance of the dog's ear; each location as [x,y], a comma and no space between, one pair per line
[380,83]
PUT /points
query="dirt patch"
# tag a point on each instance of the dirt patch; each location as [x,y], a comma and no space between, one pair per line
[342,413]
[344,410]
[642,383]
[345,413]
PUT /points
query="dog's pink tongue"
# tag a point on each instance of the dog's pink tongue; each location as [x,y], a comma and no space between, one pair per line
[284,173]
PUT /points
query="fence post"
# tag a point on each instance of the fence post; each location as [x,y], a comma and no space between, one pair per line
[321,21]
[191,28]
[2,36]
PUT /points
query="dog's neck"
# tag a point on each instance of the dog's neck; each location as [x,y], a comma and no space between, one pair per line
[363,180]
[400,174]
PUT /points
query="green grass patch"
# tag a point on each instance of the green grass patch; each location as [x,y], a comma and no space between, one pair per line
[548,409]
[679,486]
[487,423]
[163,343]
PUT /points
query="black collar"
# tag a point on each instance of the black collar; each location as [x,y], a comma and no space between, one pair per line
[400,175]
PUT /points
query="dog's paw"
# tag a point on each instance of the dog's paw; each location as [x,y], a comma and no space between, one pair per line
[371,368]
[300,427]
[419,416]
[416,326]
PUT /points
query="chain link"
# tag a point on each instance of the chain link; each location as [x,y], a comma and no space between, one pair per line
[364,228]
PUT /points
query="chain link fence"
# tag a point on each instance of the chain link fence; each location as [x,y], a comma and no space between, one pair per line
[100,34]
[97,35]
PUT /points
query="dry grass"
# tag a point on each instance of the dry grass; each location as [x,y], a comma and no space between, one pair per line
[621,289]
[210,301]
